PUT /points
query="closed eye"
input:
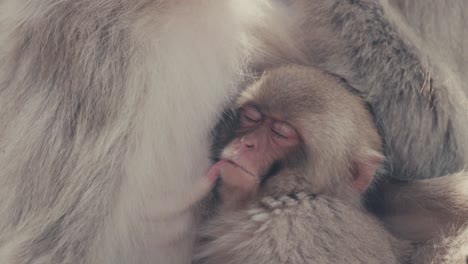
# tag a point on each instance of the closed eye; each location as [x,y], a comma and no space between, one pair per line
[283,130]
[250,116]
[277,134]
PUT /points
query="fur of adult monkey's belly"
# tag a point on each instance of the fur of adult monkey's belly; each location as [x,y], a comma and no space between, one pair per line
[191,62]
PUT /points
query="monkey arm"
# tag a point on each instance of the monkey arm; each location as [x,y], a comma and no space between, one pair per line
[295,229]
[433,213]
[441,27]
[424,209]
[420,116]
[445,249]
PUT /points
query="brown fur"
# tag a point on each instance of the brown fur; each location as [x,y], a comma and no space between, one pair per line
[309,212]
[335,124]
[423,209]
[105,107]
[318,217]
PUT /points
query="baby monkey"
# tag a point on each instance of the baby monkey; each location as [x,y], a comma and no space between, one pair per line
[298,130]
[293,164]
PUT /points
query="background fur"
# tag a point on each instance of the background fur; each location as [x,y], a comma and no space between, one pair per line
[102,107]
[103,104]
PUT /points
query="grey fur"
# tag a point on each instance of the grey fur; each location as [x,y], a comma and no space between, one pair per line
[86,84]
[63,83]
[427,208]
[447,249]
[318,217]
[88,91]
[433,214]
[396,70]
[325,222]
[307,230]
[320,229]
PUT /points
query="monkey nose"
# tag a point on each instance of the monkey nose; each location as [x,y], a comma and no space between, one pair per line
[248,142]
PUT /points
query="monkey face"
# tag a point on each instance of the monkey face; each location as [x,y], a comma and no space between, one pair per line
[262,140]
[299,121]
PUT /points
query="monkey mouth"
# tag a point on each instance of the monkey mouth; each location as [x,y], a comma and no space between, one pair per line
[240,167]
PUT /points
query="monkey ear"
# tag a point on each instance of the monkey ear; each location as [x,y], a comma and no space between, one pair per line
[366,164]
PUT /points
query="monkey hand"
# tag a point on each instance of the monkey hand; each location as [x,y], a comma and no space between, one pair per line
[197,192]
[270,206]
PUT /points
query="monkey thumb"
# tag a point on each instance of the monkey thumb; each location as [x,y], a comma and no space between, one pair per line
[198,191]
[204,185]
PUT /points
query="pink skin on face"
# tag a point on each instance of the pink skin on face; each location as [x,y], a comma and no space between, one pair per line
[237,184]
[225,169]
[246,159]
[265,139]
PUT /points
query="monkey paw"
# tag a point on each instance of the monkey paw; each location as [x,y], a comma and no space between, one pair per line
[270,206]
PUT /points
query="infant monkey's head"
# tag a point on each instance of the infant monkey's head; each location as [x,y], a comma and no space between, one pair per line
[300,129]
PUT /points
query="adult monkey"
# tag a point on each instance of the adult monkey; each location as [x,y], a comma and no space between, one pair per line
[372,47]
[97,98]
[105,111]
[409,69]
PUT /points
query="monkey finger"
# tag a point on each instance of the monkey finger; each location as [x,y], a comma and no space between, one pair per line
[288,201]
[271,203]
[204,185]
[215,171]
[198,191]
